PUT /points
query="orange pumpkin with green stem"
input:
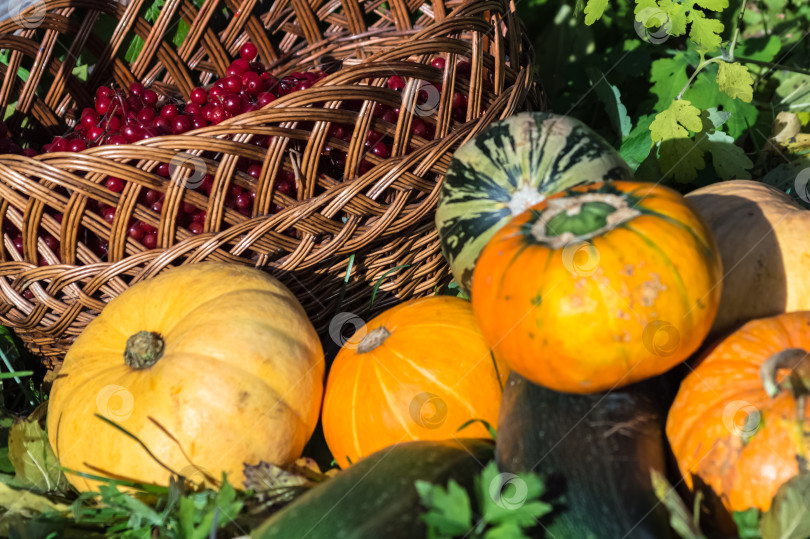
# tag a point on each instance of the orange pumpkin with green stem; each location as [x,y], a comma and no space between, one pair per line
[739,420]
[418,371]
[598,286]
[210,365]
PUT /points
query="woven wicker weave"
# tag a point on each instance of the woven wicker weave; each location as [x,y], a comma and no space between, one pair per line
[374,223]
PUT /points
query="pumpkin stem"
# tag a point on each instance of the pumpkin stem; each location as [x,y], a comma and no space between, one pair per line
[373,339]
[797,382]
[143,349]
[581,216]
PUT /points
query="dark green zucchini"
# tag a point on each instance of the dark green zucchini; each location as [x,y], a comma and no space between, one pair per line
[376,498]
[596,452]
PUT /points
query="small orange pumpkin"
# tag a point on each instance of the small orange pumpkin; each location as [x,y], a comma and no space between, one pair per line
[210,365]
[598,286]
[735,422]
[418,371]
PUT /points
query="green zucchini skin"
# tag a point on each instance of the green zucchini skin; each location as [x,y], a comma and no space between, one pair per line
[376,497]
[510,166]
[596,452]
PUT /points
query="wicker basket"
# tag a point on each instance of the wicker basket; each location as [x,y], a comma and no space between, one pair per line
[378,224]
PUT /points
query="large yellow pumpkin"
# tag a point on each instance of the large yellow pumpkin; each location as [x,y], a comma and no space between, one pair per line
[418,371]
[210,365]
[598,286]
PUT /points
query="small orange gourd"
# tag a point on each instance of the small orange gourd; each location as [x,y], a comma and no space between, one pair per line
[418,371]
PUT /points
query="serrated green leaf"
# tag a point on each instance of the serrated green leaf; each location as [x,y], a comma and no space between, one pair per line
[735,80]
[638,144]
[714,5]
[677,19]
[510,498]
[449,510]
[678,154]
[668,76]
[704,93]
[747,524]
[729,160]
[703,31]
[594,10]
[680,159]
[717,117]
[788,516]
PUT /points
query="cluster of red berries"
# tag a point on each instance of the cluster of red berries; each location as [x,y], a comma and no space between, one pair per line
[123,117]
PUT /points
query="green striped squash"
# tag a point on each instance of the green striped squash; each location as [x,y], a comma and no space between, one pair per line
[512,165]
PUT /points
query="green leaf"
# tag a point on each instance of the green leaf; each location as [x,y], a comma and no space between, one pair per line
[793,92]
[610,96]
[680,159]
[5,464]
[730,161]
[680,518]
[510,498]
[80,72]
[135,47]
[762,49]
[449,511]
[787,517]
[717,117]
[668,76]
[714,5]
[703,31]
[594,10]
[507,530]
[747,523]
[735,80]
[637,145]
[30,453]
[152,13]
[704,93]
[181,33]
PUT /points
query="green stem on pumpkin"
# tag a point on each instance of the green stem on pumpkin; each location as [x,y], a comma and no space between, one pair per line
[797,382]
[143,349]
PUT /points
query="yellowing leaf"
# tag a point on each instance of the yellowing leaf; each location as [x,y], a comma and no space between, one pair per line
[676,121]
[735,80]
[31,455]
[705,32]
[594,10]
[24,503]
